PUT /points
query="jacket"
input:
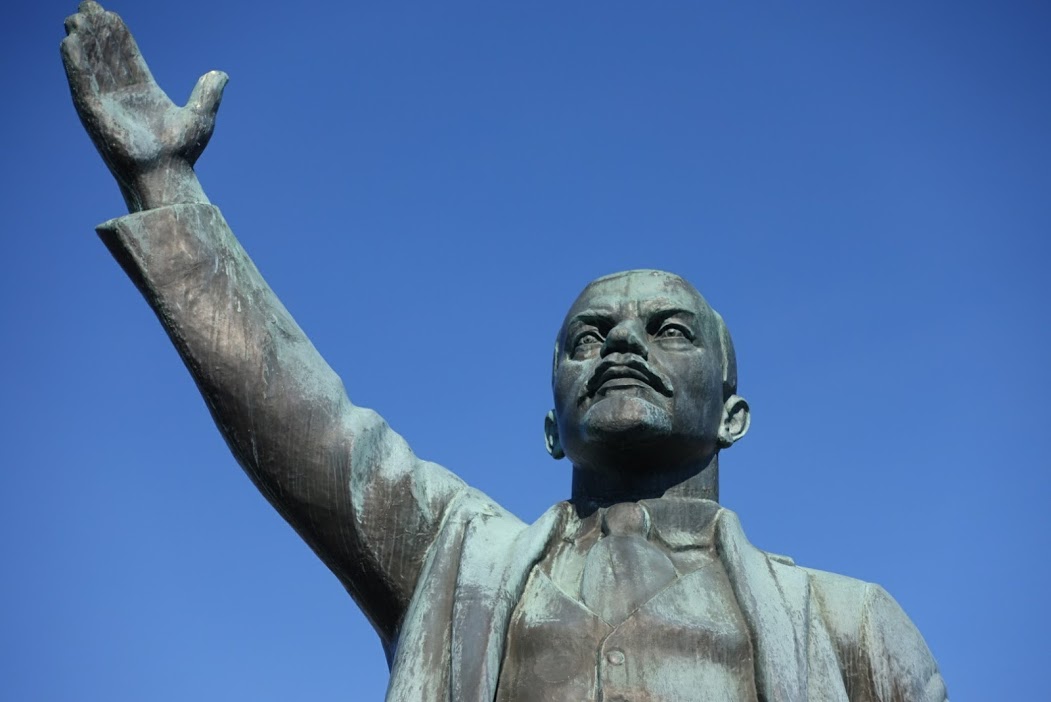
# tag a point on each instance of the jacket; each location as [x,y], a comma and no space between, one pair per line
[437,566]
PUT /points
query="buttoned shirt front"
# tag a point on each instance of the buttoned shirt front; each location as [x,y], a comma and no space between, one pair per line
[688,640]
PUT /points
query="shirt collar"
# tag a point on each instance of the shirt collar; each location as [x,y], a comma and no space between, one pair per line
[679,522]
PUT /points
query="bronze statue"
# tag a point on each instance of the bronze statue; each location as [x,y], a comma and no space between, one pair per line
[640,587]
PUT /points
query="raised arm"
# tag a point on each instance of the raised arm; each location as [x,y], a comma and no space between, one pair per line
[348,484]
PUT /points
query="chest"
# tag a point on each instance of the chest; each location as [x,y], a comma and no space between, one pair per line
[688,640]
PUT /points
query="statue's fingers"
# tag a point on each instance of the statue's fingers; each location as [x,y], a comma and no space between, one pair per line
[72,51]
[75,23]
[107,51]
[208,93]
[82,85]
[77,71]
[86,16]
[89,7]
[133,65]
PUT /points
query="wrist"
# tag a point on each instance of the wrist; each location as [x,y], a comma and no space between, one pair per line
[171,183]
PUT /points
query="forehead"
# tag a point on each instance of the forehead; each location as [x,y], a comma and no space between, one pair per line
[638,293]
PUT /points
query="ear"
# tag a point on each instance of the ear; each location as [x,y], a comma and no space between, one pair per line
[554,446]
[736,420]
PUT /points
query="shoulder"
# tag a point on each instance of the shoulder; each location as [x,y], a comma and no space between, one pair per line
[842,601]
[881,648]
[862,611]
[858,612]
[847,605]
[881,654]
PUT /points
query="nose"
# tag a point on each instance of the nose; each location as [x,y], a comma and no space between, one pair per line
[626,337]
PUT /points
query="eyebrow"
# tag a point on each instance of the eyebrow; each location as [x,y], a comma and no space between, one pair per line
[667,313]
[593,317]
[599,318]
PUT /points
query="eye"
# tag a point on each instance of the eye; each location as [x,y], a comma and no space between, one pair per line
[674,331]
[585,344]
[589,337]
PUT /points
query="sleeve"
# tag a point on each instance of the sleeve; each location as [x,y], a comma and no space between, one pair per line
[347,483]
[899,664]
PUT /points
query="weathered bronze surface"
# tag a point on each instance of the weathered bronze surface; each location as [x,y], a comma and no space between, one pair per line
[640,587]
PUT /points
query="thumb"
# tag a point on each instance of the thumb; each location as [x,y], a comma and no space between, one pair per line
[198,116]
[208,93]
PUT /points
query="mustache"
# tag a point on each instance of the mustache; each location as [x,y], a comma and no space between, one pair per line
[631,368]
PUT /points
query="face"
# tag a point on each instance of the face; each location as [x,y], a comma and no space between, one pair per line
[639,377]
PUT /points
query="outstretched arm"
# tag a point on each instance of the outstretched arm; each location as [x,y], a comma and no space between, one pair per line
[348,484]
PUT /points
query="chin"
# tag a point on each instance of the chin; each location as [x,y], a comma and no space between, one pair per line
[625,422]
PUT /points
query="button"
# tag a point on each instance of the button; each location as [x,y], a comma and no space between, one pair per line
[615,657]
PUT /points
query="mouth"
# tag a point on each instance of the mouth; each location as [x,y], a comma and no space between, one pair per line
[623,376]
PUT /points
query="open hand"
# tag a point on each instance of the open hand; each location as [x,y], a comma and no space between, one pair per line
[134,125]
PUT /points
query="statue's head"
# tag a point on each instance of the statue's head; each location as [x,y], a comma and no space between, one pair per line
[644,377]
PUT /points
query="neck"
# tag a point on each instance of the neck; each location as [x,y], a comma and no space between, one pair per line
[698,481]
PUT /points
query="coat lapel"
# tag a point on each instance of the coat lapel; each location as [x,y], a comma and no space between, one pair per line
[775,605]
[497,557]
[420,672]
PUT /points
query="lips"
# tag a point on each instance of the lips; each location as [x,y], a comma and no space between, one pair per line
[633,372]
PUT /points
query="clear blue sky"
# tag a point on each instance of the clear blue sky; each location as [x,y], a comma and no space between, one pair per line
[861,189]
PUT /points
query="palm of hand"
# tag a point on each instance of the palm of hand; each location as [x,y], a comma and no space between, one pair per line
[133,123]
